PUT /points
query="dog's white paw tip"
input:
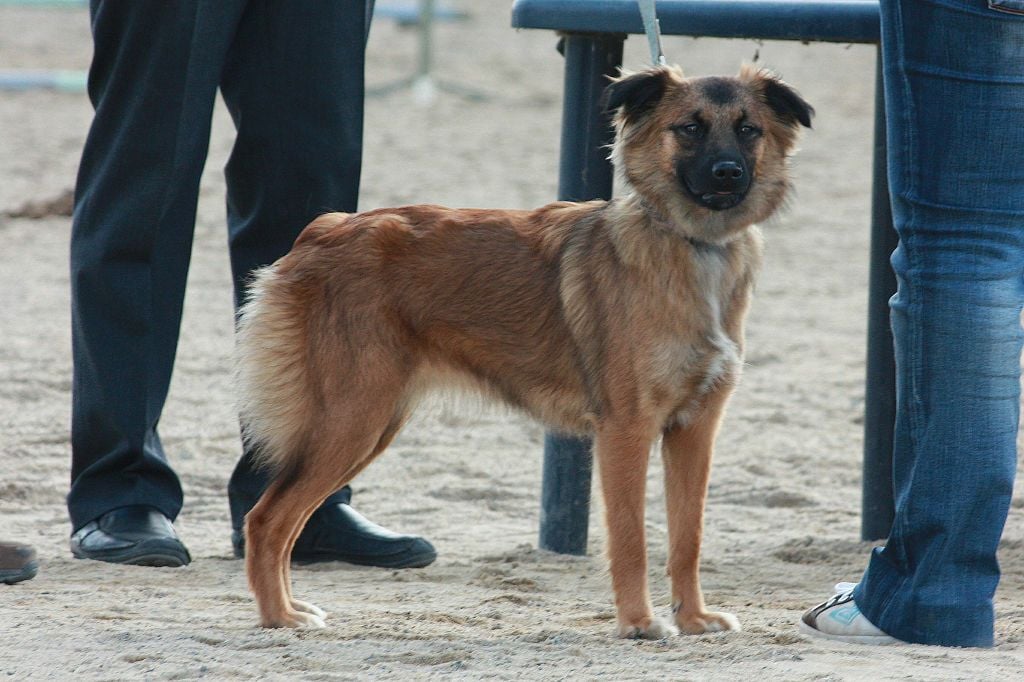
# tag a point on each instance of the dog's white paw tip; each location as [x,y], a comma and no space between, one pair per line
[312,622]
[306,607]
[722,622]
[730,623]
[294,619]
[657,629]
[660,629]
[698,624]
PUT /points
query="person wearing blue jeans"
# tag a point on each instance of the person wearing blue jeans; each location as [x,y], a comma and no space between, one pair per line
[954,92]
[291,74]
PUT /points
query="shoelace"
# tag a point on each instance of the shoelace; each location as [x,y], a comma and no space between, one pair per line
[836,599]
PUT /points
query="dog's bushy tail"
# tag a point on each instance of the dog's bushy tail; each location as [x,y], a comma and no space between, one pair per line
[275,402]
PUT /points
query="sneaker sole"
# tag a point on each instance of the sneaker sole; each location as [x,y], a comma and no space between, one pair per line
[876,640]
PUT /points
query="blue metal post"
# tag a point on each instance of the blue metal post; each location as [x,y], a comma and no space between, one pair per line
[584,173]
[877,505]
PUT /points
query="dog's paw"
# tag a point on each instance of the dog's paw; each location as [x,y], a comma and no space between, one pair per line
[295,619]
[648,628]
[306,607]
[707,621]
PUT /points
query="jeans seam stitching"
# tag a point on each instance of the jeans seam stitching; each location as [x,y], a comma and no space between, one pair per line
[909,143]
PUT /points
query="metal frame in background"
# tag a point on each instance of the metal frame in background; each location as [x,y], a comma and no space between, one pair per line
[593,32]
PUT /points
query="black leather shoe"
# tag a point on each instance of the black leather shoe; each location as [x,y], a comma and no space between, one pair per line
[138,535]
[17,562]
[337,532]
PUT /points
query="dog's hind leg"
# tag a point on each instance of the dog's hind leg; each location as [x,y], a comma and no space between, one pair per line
[398,419]
[342,444]
[622,455]
[686,453]
[269,526]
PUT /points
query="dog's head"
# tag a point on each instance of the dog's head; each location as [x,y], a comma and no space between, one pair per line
[709,154]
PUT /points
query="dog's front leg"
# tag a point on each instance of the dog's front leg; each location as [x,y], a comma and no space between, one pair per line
[686,452]
[622,455]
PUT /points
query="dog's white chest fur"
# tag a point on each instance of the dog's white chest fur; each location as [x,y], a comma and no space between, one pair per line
[723,356]
[704,362]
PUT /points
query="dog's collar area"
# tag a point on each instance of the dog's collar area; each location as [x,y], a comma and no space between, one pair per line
[657,218]
[702,245]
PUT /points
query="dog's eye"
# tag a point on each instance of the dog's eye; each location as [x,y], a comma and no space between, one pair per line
[688,129]
[747,130]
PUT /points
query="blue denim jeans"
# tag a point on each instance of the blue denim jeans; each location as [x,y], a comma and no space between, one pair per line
[954,89]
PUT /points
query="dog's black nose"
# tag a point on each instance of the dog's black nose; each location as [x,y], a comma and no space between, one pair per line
[727,170]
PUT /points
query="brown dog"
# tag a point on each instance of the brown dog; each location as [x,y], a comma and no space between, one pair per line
[622,320]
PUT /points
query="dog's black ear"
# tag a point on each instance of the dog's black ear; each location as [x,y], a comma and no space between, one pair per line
[786,102]
[637,93]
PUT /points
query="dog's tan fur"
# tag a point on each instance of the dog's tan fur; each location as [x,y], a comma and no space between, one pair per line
[622,320]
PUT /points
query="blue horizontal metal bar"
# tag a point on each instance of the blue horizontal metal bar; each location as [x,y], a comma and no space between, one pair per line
[408,13]
[64,81]
[839,21]
[43,3]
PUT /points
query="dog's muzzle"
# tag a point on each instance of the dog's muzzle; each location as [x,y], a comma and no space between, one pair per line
[718,185]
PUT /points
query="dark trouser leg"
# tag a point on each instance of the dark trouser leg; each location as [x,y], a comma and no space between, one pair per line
[152,82]
[294,85]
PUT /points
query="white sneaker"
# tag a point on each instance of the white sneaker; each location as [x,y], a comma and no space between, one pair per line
[840,620]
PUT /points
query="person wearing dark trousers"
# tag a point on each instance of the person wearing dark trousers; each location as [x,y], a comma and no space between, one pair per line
[291,74]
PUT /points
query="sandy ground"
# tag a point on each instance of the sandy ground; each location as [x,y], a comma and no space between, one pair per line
[782,521]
